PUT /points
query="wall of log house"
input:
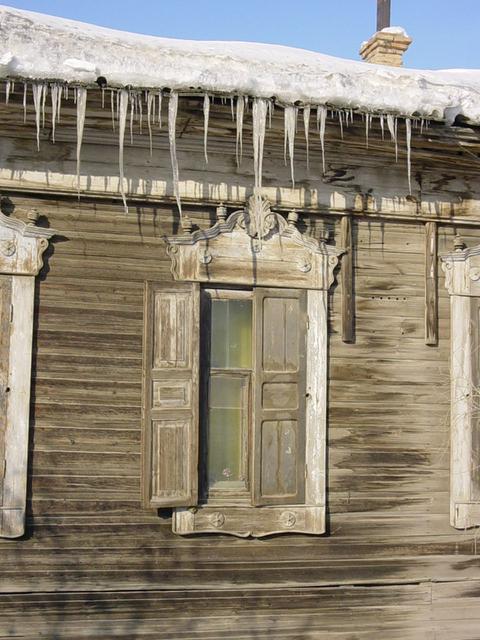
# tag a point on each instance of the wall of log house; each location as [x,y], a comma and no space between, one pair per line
[95,564]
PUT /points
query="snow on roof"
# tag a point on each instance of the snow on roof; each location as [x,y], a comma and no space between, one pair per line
[36,46]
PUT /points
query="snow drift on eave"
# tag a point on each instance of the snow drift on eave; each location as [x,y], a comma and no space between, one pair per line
[36,46]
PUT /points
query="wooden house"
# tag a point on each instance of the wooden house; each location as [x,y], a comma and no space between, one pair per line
[238,355]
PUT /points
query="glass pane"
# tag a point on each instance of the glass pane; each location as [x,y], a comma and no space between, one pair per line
[231,334]
[226,430]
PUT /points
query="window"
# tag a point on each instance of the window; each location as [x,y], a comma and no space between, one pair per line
[21,249]
[462,279]
[235,411]
[226,396]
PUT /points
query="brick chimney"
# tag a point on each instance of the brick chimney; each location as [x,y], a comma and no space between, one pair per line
[386,47]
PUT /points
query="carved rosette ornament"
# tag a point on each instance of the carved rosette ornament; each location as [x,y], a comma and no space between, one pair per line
[22,246]
[259,245]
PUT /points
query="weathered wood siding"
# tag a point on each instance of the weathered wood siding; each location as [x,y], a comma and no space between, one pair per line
[96,564]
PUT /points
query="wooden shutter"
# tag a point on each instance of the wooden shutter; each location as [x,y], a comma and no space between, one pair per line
[170,462]
[5,314]
[279,396]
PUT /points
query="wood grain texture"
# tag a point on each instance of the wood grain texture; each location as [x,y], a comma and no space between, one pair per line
[171,395]
[94,560]
[348,300]
[431,284]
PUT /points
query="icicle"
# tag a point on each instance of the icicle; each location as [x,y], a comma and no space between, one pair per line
[54,96]
[59,102]
[172,121]
[150,108]
[290,127]
[103,97]
[140,111]
[206,116]
[232,109]
[340,121]
[159,109]
[81,109]
[382,126]
[112,109]
[37,90]
[259,117]
[24,102]
[123,108]
[270,107]
[367,128]
[306,125]
[44,100]
[240,115]
[132,111]
[75,95]
[65,91]
[7,91]
[321,121]
[393,133]
[422,124]
[408,127]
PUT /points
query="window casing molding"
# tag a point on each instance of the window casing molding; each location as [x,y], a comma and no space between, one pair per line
[256,247]
[462,280]
[21,250]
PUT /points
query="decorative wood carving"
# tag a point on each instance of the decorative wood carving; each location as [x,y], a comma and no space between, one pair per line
[462,279]
[21,246]
[254,246]
[21,249]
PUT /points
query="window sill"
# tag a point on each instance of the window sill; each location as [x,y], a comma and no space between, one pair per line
[245,522]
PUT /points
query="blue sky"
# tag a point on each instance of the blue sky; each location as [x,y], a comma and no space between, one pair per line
[446,34]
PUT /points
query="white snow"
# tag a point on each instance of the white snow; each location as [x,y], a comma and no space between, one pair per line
[36,46]
[397,31]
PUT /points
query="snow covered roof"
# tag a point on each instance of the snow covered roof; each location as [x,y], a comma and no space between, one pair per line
[36,46]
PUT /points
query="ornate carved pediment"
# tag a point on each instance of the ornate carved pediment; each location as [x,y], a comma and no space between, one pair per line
[21,246]
[462,271]
[253,246]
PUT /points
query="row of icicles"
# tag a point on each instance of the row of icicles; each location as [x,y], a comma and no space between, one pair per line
[128,104]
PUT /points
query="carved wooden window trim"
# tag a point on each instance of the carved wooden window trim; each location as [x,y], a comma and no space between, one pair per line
[21,249]
[462,279]
[253,247]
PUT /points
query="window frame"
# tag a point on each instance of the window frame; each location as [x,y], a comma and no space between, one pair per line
[255,246]
[21,249]
[462,280]
[220,495]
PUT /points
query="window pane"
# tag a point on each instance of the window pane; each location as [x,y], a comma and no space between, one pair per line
[228,406]
[231,334]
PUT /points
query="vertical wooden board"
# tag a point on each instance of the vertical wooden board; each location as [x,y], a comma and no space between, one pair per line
[18,408]
[475,398]
[431,284]
[347,275]
[279,403]
[171,395]
[5,314]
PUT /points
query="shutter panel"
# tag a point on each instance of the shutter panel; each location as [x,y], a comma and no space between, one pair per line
[5,302]
[172,328]
[279,402]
